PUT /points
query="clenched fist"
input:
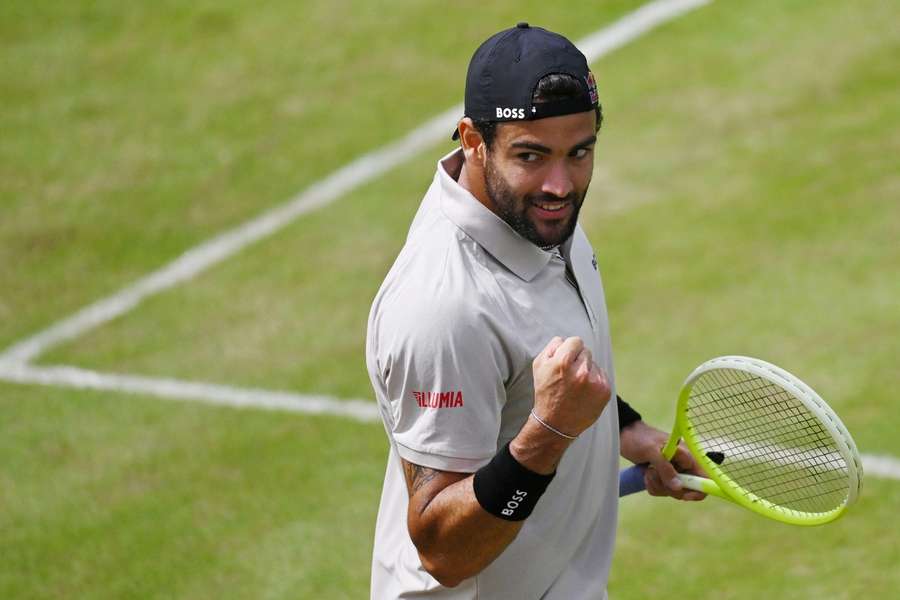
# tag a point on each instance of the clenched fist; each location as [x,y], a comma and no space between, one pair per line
[570,390]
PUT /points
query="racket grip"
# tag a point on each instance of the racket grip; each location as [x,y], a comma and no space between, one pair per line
[631,480]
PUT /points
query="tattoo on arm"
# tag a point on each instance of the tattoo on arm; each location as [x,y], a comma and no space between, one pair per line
[417,476]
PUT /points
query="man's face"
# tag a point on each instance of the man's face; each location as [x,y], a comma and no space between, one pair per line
[537,174]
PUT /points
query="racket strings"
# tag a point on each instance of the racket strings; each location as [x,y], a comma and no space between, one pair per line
[779,451]
[774,447]
[787,429]
[791,420]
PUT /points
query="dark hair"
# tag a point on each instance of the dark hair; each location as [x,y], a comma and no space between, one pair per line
[551,88]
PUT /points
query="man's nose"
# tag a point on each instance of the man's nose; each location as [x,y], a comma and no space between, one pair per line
[558,181]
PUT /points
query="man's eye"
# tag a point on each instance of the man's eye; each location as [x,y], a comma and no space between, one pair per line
[581,152]
[529,156]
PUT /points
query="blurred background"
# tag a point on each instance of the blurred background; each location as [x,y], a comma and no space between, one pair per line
[746,200]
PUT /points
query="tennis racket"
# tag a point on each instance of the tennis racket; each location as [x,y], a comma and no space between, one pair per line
[768,442]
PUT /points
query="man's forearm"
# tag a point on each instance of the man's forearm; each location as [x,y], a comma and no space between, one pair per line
[455,536]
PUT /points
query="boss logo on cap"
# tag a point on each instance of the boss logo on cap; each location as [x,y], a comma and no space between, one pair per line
[510,113]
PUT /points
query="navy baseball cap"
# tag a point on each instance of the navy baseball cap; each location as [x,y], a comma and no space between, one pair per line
[506,68]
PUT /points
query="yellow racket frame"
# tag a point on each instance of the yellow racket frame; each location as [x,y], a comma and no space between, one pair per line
[719,484]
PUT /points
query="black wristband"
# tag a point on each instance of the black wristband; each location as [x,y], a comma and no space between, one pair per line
[627,415]
[508,490]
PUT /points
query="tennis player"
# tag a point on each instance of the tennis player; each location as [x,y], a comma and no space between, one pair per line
[488,347]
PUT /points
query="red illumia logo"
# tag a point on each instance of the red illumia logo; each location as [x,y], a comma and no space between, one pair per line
[439,399]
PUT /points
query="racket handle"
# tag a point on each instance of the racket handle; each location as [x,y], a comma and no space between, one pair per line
[631,480]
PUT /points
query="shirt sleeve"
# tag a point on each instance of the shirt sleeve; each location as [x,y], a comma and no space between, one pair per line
[443,377]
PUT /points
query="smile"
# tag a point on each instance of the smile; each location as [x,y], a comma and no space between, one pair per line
[552,206]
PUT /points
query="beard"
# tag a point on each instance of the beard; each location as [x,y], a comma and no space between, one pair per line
[513,209]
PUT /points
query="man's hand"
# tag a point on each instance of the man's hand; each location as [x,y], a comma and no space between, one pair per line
[570,390]
[640,443]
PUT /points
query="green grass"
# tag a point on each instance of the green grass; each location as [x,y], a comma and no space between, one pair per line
[744,201]
[748,222]
[772,231]
[128,497]
[131,133]
[719,551]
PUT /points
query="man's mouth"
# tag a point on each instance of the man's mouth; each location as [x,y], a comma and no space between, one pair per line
[552,210]
[552,206]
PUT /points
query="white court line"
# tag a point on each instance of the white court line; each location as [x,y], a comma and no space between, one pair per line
[881,466]
[197,391]
[334,186]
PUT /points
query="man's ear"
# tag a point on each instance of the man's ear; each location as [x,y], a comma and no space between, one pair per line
[472,143]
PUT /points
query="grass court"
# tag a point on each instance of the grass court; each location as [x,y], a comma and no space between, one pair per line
[746,200]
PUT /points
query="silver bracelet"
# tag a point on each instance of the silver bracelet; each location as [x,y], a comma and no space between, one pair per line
[551,428]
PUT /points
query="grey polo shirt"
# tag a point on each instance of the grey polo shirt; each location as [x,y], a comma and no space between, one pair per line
[452,334]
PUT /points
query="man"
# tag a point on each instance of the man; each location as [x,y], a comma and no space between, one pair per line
[488,348]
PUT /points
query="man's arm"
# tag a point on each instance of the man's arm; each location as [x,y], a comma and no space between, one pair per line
[456,537]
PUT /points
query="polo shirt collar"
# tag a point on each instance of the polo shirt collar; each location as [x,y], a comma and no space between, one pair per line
[487,229]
